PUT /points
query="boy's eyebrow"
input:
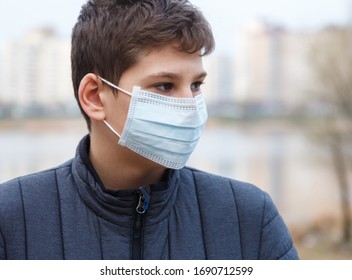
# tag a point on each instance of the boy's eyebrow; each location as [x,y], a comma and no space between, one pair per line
[202,75]
[171,76]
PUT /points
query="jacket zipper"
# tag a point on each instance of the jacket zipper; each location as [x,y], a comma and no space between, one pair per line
[142,207]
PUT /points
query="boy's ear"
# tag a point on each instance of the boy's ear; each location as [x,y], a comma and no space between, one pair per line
[89,97]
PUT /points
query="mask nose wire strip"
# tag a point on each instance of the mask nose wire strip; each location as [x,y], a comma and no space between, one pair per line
[111,128]
[114,86]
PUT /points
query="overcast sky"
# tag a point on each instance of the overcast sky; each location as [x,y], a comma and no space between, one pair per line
[225,16]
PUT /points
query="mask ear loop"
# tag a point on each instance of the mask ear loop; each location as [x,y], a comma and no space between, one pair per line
[120,89]
[111,128]
[114,86]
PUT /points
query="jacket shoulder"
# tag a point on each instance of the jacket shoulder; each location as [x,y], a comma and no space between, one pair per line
[217,184]
[262,231]
[28,190]
[25,203]
[35,180]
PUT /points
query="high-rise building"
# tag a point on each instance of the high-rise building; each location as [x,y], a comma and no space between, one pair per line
[218,86]
[272,66]
[36,70]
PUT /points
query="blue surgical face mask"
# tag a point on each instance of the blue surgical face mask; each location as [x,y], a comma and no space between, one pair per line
[161,128]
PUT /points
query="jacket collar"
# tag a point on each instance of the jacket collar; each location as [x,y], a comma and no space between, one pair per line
[119,206]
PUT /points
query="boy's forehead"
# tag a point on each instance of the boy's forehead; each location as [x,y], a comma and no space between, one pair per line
[168,59]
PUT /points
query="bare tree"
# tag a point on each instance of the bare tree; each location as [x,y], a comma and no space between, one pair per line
[331,62]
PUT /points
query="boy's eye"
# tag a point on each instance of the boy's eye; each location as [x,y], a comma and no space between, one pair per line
[196,86]
[164,87]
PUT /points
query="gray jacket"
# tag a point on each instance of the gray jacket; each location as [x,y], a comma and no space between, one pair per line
[65,213]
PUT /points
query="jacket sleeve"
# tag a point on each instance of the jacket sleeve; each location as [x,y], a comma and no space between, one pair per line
[2,246]
[10,208]
[276,242]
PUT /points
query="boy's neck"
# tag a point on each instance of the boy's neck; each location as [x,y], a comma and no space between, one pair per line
[119,168]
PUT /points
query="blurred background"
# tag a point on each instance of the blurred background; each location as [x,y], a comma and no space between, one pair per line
[279,94]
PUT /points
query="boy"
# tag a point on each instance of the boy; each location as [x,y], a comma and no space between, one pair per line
[137,72]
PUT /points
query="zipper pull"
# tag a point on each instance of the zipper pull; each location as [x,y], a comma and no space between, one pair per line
[143,204]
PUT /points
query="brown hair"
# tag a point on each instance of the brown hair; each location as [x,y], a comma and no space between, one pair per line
[111,35]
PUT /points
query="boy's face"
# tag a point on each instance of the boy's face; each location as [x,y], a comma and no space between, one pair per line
[165,71]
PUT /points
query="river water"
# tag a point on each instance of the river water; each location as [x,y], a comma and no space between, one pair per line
[278,158]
